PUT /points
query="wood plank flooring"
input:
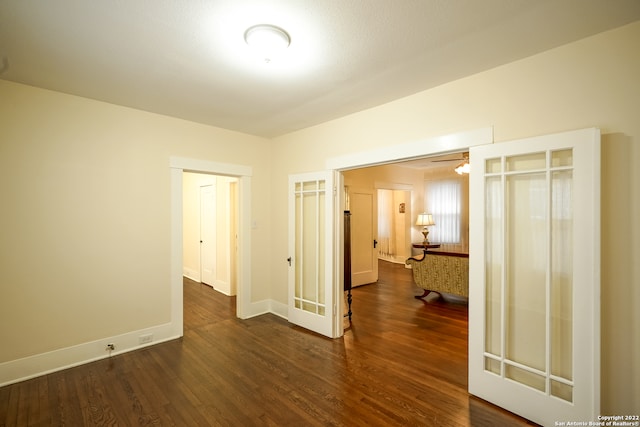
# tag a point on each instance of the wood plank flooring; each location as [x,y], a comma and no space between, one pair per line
[403,362]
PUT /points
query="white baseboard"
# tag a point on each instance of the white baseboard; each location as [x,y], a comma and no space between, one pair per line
[396,259]
[37,365]
[268,306]
[280,309]
[223,287]
[191,274]
[41,364]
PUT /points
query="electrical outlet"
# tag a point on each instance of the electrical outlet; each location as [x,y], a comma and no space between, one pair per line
[144,339]
[110,347]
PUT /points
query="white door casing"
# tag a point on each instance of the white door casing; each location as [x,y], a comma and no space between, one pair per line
[311,299]
[534,276]
[177,166]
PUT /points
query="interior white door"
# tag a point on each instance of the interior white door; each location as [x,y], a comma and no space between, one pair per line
[208,234]
[364,226]
[534,291]
[311,261]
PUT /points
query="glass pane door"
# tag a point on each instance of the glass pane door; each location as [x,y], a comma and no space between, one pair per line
[311,199]
[531,197]
[528,211]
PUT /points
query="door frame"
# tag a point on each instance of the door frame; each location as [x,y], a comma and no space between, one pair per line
[177,166]
[443,144]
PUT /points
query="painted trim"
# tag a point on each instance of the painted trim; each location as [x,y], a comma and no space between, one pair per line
[415,149]
[179,165]
[279,309]
[222,287]
[176,263]
[206,166]
[29,367]
[244,282]
[192,274]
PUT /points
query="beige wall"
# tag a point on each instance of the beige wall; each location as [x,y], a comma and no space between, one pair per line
[592,82]
[85,214]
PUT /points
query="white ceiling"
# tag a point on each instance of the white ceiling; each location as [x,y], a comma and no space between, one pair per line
[188,59]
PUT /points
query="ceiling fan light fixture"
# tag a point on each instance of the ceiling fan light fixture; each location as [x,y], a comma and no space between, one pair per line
[267,39]
[463,167]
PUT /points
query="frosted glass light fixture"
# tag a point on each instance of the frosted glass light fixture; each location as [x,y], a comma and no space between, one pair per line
[267,40]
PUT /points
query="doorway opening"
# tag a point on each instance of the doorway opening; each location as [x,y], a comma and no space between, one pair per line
[405,193]
[422,151]
[242,269]
[210,230]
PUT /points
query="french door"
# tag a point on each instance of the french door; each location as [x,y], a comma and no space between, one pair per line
[534,306]
[311,299]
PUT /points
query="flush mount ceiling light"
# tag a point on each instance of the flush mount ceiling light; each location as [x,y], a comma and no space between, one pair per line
[267,39]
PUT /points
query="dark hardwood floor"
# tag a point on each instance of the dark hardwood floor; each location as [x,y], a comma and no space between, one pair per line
[403,362]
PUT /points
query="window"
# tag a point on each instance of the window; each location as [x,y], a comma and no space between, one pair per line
[443,199]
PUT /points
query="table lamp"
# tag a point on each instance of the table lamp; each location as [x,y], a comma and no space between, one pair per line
[425,220]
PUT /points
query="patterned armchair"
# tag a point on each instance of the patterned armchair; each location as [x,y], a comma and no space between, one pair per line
[441,272]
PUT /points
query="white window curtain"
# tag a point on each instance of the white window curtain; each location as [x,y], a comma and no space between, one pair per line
[386,230]
[443,199]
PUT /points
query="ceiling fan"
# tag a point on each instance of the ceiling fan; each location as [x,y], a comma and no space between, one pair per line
[463,167]
[464,157]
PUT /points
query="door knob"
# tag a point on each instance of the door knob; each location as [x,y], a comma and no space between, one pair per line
[375,243]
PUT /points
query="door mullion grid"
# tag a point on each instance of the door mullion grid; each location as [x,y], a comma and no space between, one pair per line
[317,275]
[300,248]
[548,277]
[316,192]
[503,279]
[524,367]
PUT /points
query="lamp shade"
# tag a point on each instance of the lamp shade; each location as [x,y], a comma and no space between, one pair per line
[425,219]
